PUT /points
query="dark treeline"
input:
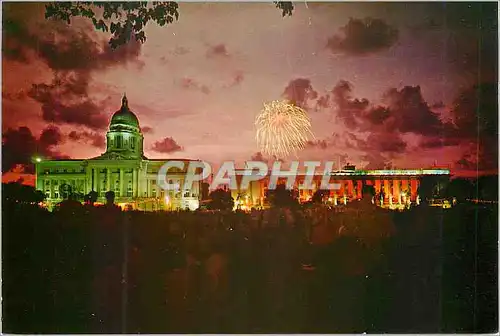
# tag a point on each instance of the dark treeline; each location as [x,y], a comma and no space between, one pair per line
[88,270]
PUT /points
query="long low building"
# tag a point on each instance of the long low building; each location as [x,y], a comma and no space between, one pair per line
[393,188]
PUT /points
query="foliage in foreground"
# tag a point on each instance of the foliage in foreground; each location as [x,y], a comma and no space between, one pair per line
[125,20]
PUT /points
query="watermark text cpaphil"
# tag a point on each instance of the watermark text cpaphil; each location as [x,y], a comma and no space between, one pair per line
[227,174]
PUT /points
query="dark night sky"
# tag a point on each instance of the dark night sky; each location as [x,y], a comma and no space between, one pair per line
[405,83]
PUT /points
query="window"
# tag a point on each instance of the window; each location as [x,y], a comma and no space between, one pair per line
[47,194]
[56,195]
[119,141]
[132,143]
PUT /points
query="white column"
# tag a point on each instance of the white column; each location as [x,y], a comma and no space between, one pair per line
[141,182]
[87,181]
[122,178]
[108,179]
[40,183]
[134,182]
[96,180]
[38,175]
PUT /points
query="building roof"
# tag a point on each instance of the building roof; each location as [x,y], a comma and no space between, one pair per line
[62,160]
[124,117]
[165,160]
[393,172]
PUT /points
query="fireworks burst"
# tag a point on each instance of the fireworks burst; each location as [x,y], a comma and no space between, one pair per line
[282,128]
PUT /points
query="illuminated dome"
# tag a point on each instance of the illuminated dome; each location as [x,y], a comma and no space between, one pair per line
[124,139]
[124,118]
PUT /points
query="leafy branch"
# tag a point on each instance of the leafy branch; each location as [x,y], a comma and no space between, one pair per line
[285,6]
[125,20]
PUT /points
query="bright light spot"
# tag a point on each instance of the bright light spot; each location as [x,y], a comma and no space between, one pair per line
[38,159]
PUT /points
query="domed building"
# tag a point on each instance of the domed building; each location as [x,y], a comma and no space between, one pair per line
[123,168]
[124,139]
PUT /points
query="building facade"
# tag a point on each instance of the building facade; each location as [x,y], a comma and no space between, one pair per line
[123,168]
[394,188]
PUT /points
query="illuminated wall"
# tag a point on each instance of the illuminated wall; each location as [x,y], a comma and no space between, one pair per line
[391,186]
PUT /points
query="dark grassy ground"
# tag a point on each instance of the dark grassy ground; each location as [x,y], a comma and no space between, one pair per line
[438,273]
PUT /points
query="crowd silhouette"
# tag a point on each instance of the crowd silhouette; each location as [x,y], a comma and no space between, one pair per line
[89,269]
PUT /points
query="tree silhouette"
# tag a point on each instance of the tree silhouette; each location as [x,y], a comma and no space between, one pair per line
[319,196]
[459,188]
[205,188]
[486,188]
[14,192]
[91,197]
[78,196]
[220,200]
[281,196]
[125,20]
[65,190]
[431,187]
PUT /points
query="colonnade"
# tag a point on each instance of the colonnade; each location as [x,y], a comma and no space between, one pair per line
[393,190]
[102,182]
